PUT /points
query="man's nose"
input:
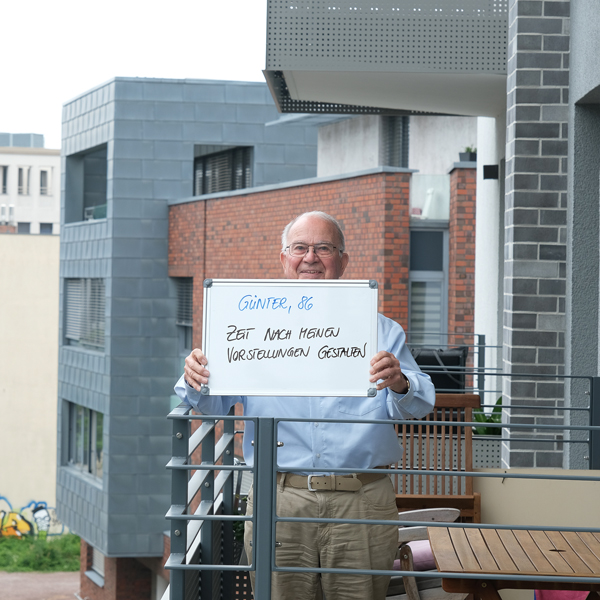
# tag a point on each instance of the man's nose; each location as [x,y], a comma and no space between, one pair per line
[311,255]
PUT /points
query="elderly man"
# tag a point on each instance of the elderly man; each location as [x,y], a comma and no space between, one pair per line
[313,248]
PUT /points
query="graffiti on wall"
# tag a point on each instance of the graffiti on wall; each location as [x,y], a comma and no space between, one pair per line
[34,519]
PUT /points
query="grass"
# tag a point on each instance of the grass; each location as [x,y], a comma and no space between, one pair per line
[59,553]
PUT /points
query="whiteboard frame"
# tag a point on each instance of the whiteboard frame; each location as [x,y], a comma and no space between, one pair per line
[369,390]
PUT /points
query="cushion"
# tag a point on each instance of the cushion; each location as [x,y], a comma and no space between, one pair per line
[422,556]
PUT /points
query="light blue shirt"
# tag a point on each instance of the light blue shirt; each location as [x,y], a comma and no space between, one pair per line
[332,445]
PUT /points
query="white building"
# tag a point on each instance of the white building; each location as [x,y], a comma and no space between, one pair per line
[29,189]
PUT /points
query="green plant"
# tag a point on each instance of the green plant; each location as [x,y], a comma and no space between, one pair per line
[59,553]
[471,149]
[495,416]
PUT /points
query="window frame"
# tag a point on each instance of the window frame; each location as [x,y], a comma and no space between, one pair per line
[85,440]
[432,338]
[223,171]
[84,322]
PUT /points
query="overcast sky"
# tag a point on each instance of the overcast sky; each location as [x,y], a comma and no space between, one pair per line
[53,51]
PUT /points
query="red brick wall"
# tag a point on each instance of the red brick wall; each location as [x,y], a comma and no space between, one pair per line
[461,275]
[239,236]
[124,578]
[8,229]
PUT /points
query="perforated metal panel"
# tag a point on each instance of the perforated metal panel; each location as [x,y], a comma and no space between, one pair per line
[388,35]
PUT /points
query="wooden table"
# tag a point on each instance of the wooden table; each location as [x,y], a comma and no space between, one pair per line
[490,552]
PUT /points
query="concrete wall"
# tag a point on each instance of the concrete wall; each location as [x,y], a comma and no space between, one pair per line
[489,253]
[349,145]
[583,224]
[538,502]
[436,141]
[28,368]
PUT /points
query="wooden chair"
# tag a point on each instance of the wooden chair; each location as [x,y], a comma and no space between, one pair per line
[419,588]
[439,448]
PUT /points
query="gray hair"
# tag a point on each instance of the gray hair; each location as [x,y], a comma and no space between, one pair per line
[322,215]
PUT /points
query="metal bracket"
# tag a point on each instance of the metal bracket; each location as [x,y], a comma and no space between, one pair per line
[205,390]
[372,392]
[373,284]
[208,283]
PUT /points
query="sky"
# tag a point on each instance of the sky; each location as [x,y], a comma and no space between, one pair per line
[59,49]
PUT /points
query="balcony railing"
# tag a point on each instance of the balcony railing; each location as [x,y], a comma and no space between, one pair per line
[203,508]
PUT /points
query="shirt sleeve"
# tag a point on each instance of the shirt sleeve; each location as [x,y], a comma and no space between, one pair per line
[420,398]
[204,404]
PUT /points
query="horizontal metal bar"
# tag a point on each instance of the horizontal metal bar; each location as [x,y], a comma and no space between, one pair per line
[444,423]
[205,567]
[208,517]
[493,526]
[440,575]
[210,467]
[519,406]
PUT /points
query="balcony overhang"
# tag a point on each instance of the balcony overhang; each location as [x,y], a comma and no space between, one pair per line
[388,56]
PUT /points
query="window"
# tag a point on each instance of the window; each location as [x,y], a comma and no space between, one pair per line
[222,171]
[428,298]
[85,444]
[23,227]
[86,185]
[185,312]
[3,180]
[84,313]
[395,139]
[23,181]
[45,189]
[46,228]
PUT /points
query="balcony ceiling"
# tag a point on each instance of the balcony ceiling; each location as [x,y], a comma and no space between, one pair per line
[398,56]
[471,94]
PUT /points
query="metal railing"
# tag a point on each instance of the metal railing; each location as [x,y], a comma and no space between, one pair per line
[203,506]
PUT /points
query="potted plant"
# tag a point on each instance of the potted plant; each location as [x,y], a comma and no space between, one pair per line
[469,155]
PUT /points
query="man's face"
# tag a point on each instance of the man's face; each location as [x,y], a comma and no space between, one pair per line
[313,230]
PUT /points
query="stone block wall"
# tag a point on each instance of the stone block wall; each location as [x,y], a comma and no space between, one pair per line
[535,221]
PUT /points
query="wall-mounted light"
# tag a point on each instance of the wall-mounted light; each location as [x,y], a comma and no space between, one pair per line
[490,171]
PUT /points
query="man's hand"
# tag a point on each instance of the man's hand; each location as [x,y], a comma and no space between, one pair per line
[194,371]
[386,366]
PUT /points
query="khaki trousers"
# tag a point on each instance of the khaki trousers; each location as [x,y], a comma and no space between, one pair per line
[331,545]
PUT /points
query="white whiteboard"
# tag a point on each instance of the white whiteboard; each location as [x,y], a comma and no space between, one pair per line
[282,337]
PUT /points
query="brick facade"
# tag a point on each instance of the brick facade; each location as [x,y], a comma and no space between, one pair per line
[239,236]
[461,267]
[124,578]
[8,229]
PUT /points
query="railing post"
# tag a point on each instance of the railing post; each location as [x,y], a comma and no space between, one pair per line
[208,578]
[263,543]
[228,504]
[179,485]
[595,421]
[481,366]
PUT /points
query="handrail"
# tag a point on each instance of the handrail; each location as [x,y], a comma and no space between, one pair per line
[202,511]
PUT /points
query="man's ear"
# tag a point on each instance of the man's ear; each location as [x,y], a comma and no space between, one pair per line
[345,260]
[283,259]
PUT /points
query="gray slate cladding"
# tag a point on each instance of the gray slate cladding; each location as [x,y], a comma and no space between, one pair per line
[149,128]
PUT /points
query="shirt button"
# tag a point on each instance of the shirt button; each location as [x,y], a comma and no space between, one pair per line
[316,424]
[318,456]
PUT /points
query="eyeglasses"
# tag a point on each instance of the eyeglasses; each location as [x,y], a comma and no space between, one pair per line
[322,250]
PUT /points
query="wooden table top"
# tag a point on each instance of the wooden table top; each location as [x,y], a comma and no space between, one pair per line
[518,552]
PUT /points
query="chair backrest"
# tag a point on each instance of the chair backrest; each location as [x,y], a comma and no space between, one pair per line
[447,448]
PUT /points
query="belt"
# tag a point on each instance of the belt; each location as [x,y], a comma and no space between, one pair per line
[333,483]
